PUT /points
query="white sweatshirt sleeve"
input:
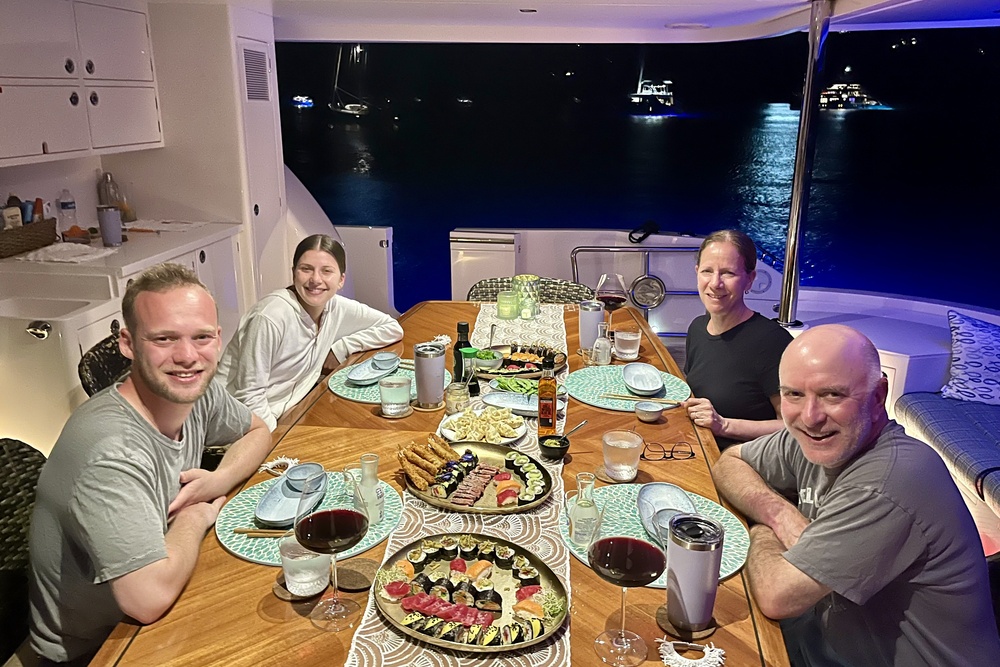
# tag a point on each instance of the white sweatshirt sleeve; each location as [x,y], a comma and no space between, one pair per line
[249,377]
[360,327]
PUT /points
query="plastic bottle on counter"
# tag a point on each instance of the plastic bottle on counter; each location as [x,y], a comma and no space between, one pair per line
[12,212]
[108,192]
[67,210]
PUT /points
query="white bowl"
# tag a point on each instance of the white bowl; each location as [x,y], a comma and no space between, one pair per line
[490,364]
[648,411]
[297,475]
[642,379]
[385,360]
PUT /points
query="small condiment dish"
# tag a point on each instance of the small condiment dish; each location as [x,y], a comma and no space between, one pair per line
[553,446]
[384,360]
[297,475]
[492,363]
[647,411]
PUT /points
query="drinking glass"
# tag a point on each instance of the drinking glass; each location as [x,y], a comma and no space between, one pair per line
[394,394]
[627,562]
[508,305]
[330,530]
[627,344]
[306,572]
[611,292]
[622,450]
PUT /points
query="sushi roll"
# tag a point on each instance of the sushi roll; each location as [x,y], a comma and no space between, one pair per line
[416,557]
[527,576]
[449,631]
[481,569]
[526,497]
[490,636]
[536,627]
[528,467]
[511,634]
[486,550]
[509,459]
[468,460]
[449,547]
[464,594]
[432,626]
[414,620]
[490,601]
[474,633]
[420,584]
[432,548]
[439,490]
[503,556]
[520,461]
[468,547]
[532,475]
[521,561]
[482,586]
[442,588]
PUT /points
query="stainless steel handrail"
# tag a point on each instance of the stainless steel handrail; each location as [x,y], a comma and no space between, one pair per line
[643,249]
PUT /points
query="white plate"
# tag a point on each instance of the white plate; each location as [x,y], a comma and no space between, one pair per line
[366,373]
[656,496]
[495,386]
[450,435]
[278,506]
[519,404]
[642,379]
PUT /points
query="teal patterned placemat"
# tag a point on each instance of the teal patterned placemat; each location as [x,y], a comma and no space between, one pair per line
[340,385]
[587,385]
[239,513]
[620,503]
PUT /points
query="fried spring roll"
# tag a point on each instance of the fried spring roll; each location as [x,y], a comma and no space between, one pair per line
[415,474]
[420,462]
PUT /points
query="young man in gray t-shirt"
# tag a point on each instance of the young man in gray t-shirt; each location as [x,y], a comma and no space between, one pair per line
[122,506]
[862,537]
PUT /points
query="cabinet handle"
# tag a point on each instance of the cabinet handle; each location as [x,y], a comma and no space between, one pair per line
[39,329]
[256,209]
[74,99]
[201,256]
[89,66]
[70,66]
[94,99]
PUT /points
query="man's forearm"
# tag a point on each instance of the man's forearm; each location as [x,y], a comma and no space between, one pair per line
[780,589]
[245,455]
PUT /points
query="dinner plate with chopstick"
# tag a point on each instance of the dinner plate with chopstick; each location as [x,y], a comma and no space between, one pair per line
[604,387]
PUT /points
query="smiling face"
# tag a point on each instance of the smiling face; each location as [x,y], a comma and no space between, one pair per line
[832,395]
[722,278]
[316,279]
[175,344]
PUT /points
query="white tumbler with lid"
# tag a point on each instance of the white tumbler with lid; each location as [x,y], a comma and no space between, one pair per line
[428,367]
[591,314]
[694,556]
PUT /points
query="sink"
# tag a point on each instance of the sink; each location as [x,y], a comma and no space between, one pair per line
[30,308]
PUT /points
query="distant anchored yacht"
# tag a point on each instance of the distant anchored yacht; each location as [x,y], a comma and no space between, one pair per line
[847,96]
[652,99]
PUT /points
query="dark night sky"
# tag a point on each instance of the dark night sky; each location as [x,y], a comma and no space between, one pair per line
[952,65]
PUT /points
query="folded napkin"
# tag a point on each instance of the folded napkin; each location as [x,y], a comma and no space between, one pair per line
[72,253]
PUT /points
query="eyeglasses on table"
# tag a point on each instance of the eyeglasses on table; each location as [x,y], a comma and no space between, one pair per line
[655,451]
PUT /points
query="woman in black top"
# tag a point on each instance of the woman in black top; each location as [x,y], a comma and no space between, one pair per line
[732,351]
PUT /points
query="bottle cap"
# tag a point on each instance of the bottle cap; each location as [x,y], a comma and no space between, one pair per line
[463,327]
[548,363]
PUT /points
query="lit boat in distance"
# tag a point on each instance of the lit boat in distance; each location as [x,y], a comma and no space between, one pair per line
[652,99]
[847,96]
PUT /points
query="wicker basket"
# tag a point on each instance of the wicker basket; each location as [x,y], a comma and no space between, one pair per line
[29,237]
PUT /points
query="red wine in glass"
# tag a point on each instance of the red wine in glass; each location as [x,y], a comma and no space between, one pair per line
[611,301]
[331,531]
[626,561]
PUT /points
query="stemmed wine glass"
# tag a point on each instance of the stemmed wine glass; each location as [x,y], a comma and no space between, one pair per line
[330,531]
[611,292]
[628,562]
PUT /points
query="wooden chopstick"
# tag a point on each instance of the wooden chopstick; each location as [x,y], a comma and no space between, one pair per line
[259,532]
[625,397]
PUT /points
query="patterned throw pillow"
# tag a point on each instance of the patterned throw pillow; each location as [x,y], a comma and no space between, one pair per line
[975,360]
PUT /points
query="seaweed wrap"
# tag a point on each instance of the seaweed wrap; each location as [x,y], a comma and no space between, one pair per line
[432,626]
[490,601]
[414,620]
[468,547]
[420,584]
[474,633]
[464,594]
[503,556]
[449,630]
[449,548]
[527,576]
[490,636]
[442,588]
[511,634]
[509,459]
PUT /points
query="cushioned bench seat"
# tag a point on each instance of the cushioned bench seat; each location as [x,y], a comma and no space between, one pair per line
[965,433]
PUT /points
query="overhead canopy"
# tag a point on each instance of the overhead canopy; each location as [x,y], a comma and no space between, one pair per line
[602,21]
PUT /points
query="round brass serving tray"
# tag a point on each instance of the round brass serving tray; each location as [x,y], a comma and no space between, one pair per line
[504,584]
[494,455]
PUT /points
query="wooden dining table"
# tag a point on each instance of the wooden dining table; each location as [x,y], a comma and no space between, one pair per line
[229,615]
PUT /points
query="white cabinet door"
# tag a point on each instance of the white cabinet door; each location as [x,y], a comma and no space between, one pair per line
[42,120]
[114,44]
[216,268]
[90,335]
[38,39]
[122,116]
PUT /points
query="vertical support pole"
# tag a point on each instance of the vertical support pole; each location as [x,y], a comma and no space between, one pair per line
[805,150]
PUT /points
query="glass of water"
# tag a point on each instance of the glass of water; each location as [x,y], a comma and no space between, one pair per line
[394,394]
[307,573]
[621,454]
[627,344]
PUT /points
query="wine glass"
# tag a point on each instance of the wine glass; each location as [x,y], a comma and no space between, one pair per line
[626,561]
[611,292]
[330,530]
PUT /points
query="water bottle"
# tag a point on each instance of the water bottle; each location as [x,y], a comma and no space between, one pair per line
[67,210]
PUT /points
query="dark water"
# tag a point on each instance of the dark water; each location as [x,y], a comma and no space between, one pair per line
[902,201]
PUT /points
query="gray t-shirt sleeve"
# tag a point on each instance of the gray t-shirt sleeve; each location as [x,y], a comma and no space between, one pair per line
[222,418]
[859,542]
[116,519]
[772,456]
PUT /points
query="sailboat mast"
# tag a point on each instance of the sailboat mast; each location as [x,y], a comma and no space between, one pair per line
[336,76]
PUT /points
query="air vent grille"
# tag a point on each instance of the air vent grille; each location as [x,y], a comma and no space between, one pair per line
[255,66]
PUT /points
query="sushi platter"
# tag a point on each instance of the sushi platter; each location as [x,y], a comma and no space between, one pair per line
[525,361]
[480,478]
[470,592]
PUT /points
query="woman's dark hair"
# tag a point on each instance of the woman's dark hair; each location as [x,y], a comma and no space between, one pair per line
[324,243]
[743,244]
